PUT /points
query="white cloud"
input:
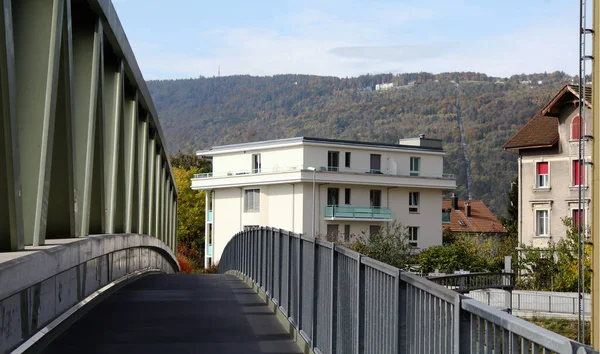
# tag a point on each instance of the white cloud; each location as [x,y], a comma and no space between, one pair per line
[316,42]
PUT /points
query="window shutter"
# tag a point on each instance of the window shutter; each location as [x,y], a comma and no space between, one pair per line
[575,123]
[542,168]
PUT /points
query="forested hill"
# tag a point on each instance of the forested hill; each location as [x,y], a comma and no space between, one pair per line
[198,113]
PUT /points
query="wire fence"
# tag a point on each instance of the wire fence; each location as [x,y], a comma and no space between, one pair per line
[343,302]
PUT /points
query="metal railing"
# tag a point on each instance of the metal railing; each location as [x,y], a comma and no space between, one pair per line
[533,301]
[464,283]
[343,302]
[353,212]
[298,168]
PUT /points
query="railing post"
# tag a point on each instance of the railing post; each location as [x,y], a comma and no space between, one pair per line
[360,306]
[316,291]
[401,324]
[333,300]
[462,328]
[299,294]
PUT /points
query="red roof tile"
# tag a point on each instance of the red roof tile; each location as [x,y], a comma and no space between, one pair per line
[540,131]
[481,220]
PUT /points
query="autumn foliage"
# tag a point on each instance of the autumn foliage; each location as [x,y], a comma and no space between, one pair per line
[184,264]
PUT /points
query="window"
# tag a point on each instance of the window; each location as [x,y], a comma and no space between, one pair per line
[413,202]
[347,233]
[578,173]
[347,196]
[347,162]
[375,198]
[332,231]
[415,165]
[333,160]
[542,174]
[375,163]
[333,196]
[446,216]
[576,128]
[255,163]
[413,235]
[252,200]
[374,230]
[541,222]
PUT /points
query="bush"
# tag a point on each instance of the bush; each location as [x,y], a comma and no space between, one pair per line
[184,264]
[212,269]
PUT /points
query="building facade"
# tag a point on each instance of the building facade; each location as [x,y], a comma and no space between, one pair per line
[338,188]
[550,170]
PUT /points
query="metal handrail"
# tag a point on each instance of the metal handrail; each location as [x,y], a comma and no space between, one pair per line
[340,301]
[464,283]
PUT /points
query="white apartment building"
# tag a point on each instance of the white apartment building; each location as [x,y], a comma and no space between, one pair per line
[352,187]
[550,172]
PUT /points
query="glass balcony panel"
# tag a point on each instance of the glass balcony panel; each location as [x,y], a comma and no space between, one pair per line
[209,250]
[352,212]
[210,216]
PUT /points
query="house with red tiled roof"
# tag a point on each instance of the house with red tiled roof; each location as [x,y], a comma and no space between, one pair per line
[551,173]
[469,217]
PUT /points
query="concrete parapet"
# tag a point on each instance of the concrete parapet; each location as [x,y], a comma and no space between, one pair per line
[40,283]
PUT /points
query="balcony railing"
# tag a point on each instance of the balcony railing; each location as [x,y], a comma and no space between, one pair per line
[209,250]
[352,212]
[210,216]
[330,169]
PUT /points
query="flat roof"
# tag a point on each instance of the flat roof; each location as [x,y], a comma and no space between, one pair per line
[306,139]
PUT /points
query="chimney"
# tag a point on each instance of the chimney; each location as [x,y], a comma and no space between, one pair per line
[468,209]
[454,201]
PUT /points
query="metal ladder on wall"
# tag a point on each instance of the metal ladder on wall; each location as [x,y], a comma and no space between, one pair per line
[584,58]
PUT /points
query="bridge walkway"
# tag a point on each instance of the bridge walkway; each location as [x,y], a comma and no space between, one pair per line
[180,313]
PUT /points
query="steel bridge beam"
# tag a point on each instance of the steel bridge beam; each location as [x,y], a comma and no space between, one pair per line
[82,151]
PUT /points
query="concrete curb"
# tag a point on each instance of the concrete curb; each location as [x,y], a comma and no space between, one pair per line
[289,326]
[39,341]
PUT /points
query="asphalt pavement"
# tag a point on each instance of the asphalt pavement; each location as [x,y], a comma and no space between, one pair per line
[178,313]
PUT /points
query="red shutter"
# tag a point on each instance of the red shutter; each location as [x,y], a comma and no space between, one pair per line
[578,174]
[577,217]
[575,127]
[542,168]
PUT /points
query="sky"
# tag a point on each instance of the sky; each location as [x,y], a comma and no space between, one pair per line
[175,39]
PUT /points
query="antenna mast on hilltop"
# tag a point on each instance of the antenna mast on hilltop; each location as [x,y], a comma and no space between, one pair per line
[219,71]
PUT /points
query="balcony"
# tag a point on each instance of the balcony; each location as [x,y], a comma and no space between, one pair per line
[210,216]
[209,250]
[280,169]
[336,212]
[299,173]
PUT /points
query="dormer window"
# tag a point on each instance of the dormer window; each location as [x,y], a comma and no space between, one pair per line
[576,127]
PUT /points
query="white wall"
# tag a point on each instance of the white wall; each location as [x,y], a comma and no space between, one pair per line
[280,159]
[226,218]
[392,162]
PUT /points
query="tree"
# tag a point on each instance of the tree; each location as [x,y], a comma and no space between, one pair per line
[512,208]
[190,208]
[555,267]
[390,245]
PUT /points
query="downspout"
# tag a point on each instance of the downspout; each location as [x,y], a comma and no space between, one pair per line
[520,200]
[206,228]
[388,201]
[293,207]
[241,207]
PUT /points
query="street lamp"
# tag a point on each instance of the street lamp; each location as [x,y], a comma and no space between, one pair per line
[314,171]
